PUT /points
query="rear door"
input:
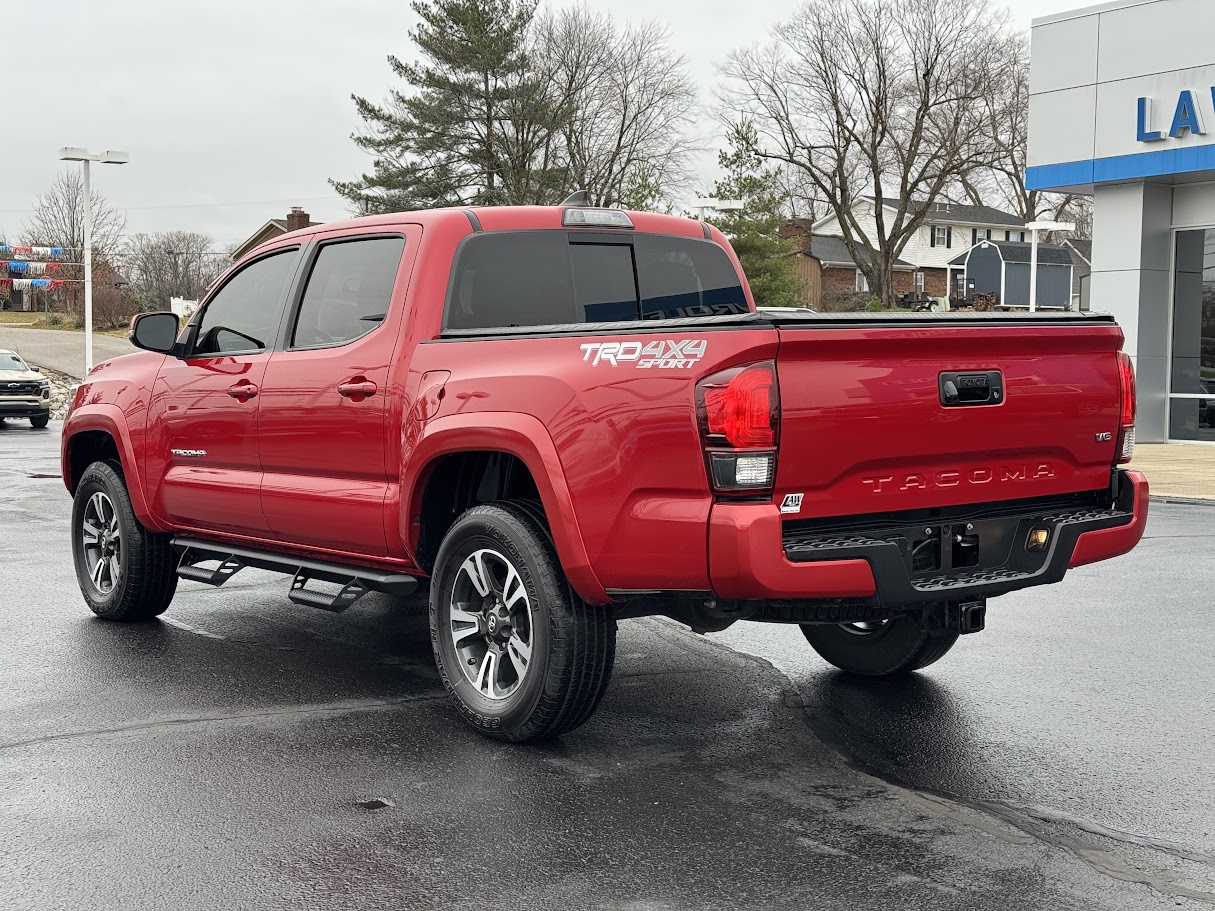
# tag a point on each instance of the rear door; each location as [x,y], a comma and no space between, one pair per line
[324,397]
[868,422]
[202,462]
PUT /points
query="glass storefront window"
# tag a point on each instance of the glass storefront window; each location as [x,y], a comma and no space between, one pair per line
[1192,377]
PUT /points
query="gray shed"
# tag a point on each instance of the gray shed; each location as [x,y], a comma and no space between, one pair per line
[1002,267]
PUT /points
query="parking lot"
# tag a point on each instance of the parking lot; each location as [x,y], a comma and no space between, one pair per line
[225,756]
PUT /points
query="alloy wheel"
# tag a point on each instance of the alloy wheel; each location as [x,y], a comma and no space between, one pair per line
[101,536]
[491,624]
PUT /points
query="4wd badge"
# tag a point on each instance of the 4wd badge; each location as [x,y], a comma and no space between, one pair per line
[664,354]
[792,502]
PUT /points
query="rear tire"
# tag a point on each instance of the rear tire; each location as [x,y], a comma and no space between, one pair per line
[40,421]
[520,654]
[894,647]
[125,571]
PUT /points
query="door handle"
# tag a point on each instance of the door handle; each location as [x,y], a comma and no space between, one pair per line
[242,391]
[360,390]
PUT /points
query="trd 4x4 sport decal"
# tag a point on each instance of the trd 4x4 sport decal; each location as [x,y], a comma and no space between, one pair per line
[663,354]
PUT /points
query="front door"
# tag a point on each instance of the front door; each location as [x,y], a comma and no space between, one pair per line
[203,462]
[325,397]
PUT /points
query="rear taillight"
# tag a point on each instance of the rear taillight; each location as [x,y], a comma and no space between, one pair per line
[739,415]
[1126,420]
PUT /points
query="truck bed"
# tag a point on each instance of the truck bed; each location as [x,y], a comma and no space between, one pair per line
[795,319]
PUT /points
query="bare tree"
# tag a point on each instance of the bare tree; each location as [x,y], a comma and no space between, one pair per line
[58,221]
[114,303]
[1081,212]
[171,264]
[628,105]
[874,98]
[58,218]
[1006,120]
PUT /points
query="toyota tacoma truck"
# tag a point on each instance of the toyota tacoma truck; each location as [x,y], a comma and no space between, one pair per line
[555,418]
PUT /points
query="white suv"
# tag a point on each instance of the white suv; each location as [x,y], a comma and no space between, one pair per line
[24,392]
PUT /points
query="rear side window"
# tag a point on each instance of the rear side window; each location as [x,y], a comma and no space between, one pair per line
[544,278]
[348,291]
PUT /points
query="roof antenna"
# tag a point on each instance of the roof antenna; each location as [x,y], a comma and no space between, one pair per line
[577,198]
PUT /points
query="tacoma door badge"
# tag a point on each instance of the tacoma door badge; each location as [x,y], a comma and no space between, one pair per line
[189,453]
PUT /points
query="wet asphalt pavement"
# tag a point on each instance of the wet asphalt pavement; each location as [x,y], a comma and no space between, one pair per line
[217,758]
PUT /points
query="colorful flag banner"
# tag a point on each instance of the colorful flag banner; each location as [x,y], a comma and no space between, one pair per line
[44,252]
[32,284]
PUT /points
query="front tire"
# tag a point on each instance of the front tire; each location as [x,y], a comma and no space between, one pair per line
[520,654]
[39,421]
[125,571]
[882,649]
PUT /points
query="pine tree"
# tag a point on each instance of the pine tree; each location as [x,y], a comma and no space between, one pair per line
[768,260]
[477,124]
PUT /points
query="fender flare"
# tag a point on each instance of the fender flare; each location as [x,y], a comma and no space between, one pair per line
[109,419]
[526,438]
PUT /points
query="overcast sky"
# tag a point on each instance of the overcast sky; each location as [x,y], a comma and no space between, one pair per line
[234,110]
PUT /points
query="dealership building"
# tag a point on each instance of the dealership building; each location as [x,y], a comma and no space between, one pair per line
[1122,107]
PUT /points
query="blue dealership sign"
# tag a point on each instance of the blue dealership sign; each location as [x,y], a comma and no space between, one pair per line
[1187,117]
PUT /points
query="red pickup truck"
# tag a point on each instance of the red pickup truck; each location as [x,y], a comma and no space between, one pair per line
[555,418]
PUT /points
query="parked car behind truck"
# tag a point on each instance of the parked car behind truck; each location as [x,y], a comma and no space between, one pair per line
[24,392]
[557,418]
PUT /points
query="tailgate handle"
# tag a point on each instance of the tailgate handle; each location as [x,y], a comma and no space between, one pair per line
[961,390]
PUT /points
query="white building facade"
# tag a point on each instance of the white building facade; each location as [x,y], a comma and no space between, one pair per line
[1122,107]
[947,230]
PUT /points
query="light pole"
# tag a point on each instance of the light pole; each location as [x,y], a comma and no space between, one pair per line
[709,202]
[75,153]
[1034,227]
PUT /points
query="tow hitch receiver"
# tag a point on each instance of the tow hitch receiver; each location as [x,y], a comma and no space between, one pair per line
[941,618]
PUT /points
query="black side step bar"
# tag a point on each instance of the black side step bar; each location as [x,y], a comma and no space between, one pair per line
[356,581]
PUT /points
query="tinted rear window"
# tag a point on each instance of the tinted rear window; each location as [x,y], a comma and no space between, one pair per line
[539,278]
[679,276]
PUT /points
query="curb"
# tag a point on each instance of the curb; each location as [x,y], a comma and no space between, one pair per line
[1182,501]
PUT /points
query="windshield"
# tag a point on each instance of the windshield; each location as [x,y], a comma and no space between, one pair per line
[12,362]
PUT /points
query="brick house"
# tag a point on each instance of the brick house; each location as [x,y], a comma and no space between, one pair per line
[826,269]
[948,230]
[276,227]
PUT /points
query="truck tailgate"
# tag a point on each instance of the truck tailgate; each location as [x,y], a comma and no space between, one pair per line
[865,426]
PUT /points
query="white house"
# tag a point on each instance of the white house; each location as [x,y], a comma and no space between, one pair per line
[947,231]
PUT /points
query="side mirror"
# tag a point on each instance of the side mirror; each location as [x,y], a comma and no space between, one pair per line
[33,369]
[154,331]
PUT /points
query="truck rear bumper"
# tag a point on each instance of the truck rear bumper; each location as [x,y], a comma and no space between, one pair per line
[754,555]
